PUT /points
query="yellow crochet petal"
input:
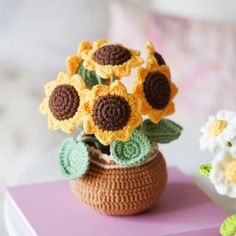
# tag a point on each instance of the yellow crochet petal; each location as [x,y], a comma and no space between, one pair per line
[89,65]
[123,135]
[89,126]
[84,45]
[170,109]
[52,123]
[72,64]
[141,74]
[155,115]
[135,120]
[135,52]
[149,48]
[104,137]
[174,90]
[107,71]
[98,91]
[99,43]
[164,69]
[152,65]
[43,106]
[117,88]
[66,125]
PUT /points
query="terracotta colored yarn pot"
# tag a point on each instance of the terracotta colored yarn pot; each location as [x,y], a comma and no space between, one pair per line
[114,190]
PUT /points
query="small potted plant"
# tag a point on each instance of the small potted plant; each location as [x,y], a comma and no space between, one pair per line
[114,165]
[219,136]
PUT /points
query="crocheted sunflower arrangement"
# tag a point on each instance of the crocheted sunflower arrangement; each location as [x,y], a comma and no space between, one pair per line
[219,137]
[114,163]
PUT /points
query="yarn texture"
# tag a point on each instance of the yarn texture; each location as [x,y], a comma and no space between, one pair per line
[133,152]
[204,170]
[122,191]
[152,53]
[73,158]
[155,90]
[163,132]
[228,228]
[103,59]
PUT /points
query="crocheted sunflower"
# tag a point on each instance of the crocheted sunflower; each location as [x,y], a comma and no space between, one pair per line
[62,103]
[155,91]
[110,113]
[73,62]
[109,60]
[154,54]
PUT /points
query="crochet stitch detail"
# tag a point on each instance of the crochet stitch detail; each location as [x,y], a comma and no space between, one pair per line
[157,90]
[112,55]
[165,131]
[133,152]
[64,102]
[159,58]
[111,112]
[73,158]
[228,227]
[205,170]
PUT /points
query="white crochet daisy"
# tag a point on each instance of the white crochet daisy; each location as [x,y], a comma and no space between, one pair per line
[223,172]
[219,131]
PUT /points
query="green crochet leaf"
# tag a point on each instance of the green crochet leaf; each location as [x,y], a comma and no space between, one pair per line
[204,170]
[90,77]
[73,158]
[163,132]
[228,227]
[133,152]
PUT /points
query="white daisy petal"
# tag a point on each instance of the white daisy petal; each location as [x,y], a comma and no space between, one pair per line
[224,123]
[217,175]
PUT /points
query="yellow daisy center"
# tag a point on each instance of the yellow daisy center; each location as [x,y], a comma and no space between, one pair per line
[230,171]
[216,127]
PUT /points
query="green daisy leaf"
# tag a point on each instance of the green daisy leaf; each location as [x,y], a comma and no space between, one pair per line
[133,152]
[90,77]
[228,227]
[73,158]
[163,132]
[204,170]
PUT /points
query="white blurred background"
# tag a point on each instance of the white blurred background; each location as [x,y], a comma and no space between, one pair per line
[197,39]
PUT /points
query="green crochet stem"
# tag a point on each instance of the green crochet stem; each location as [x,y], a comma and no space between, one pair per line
[90,77]
[93,140]
[112,79]
[163,132]
[229,144]
[204,170]
[228,227]
[99,79]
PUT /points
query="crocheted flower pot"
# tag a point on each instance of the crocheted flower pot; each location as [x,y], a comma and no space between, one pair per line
[112,189]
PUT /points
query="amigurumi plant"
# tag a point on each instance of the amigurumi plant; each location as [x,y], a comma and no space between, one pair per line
[219,136]
[114,165]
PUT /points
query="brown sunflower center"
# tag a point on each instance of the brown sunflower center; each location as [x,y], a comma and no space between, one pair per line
[111,55]
[111,112]
[157,90]
[64,102]
[160,60]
